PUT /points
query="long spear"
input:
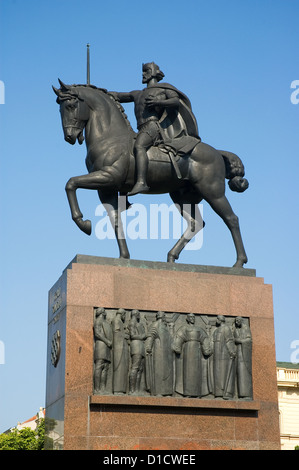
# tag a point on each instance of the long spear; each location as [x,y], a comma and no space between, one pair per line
[88,66]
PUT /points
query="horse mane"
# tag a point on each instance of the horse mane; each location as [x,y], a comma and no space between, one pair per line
[116,102]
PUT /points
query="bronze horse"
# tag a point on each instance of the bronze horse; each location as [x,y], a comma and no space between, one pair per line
[111,168]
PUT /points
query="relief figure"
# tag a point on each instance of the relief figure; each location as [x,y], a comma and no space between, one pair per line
[102,349]
[224,364]
[137,350]
[191,344]
[243,342]
[159,357]
[120,353]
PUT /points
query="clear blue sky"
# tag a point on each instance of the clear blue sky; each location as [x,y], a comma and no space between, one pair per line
[235,59]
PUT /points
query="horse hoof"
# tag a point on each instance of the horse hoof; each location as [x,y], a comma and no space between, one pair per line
[240,263]
[171,258]
[84,225]
[125,256]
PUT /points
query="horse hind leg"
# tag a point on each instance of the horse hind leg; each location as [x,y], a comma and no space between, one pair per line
[191,214]
[223,208]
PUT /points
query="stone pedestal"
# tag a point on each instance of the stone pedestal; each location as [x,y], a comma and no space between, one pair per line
[77,418]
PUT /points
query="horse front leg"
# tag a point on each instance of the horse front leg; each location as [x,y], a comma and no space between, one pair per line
[114,209]
[77,216]
[93,180]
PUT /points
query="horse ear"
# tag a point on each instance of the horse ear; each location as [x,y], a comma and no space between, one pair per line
[63,86]
[56,91]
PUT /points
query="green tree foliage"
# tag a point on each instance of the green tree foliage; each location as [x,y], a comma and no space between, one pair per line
[25,439]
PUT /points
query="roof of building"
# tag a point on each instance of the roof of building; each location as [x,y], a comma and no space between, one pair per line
[288,365]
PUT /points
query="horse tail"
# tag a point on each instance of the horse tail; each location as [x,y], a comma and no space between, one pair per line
[235,172]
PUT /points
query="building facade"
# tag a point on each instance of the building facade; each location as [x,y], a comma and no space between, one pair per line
[288,401]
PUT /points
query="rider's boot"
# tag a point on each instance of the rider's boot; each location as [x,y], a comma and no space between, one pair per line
[142,165]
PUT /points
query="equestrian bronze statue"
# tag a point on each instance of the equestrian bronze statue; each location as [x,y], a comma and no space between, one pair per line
[166,155]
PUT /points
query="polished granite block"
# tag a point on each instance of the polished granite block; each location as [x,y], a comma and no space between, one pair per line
[126,422]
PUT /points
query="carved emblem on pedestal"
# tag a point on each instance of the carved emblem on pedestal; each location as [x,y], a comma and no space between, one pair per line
[55,348]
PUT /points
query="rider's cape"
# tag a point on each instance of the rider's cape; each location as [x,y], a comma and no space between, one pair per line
[179,126]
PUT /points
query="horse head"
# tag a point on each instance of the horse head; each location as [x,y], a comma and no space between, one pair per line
[74,112]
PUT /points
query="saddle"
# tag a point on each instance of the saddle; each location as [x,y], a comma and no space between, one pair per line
[165,153]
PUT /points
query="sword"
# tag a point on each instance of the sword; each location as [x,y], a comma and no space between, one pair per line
[175,165]
[168,149]
[232,359]
[151,377]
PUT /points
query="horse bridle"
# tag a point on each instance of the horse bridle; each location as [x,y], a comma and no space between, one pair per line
[74,123]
